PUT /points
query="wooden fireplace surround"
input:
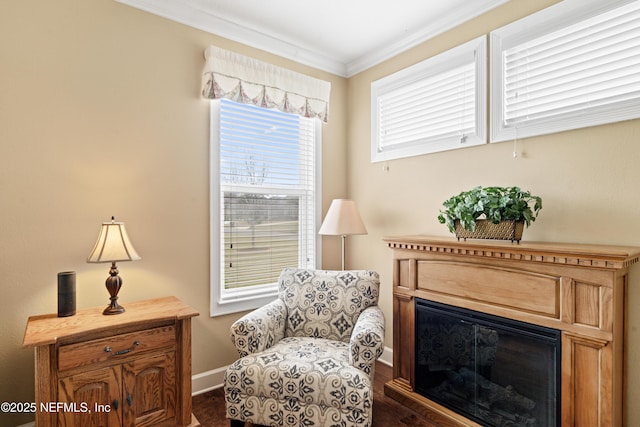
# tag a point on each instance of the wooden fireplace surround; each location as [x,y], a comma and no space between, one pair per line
[577,289]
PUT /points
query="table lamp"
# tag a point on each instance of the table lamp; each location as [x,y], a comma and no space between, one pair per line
[342,219]
[113,245]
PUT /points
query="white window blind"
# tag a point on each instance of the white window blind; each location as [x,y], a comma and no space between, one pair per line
[266,199]
[435,105]
[573,75]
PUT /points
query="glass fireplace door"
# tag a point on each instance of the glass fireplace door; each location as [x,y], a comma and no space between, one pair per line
[495,371]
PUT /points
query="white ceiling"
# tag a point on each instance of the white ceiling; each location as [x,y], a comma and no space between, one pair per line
[342,37]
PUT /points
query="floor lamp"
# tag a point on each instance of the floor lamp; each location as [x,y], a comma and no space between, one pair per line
[343,219]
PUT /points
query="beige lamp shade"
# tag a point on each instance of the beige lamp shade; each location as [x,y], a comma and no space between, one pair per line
[113,244]
[343,219]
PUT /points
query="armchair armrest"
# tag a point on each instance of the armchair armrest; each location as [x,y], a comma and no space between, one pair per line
[259,329]
[367,340]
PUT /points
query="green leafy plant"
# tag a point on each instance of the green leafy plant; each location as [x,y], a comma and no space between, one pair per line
[492,203]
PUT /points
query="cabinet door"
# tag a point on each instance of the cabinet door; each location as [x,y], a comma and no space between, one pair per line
[149,390]
[90,399]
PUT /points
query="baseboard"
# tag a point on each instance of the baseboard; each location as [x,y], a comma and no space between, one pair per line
[31,424]
[387,356]
[207,381]
[211,380]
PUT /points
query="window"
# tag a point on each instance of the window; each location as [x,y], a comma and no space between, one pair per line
[572,65]
[263,201]
[438,104]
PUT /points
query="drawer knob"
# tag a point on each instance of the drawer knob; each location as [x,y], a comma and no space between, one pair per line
[108,349]
[115,404]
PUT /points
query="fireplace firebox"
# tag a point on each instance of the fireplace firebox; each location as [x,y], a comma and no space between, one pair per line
[496,371]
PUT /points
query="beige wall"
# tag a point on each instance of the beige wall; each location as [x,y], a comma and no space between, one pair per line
[100,115]
[589,180]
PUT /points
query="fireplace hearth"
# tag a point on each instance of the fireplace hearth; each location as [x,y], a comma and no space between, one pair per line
[561,303]
[498,372]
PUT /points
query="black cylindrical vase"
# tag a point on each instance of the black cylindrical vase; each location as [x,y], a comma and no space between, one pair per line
[66,293]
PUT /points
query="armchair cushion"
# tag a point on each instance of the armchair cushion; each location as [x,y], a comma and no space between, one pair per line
[272,387]
[326,304]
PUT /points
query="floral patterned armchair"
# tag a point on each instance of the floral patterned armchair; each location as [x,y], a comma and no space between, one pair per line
[308,358]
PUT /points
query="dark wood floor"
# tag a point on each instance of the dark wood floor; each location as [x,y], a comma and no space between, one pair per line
[209,407]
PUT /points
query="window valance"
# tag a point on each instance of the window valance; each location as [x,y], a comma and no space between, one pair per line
[250,81]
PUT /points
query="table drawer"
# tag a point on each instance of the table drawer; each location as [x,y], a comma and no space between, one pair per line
[116,347]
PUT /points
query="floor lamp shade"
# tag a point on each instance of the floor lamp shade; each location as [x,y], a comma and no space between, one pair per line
[343,219]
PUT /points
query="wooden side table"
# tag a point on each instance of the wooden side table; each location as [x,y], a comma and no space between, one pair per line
[131,369]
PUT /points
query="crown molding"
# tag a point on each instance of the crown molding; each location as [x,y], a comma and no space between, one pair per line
[186,14]
[473,10]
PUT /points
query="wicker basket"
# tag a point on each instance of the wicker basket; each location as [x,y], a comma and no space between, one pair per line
[485,229]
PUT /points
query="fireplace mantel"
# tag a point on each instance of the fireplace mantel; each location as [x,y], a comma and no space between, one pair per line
[575,288]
